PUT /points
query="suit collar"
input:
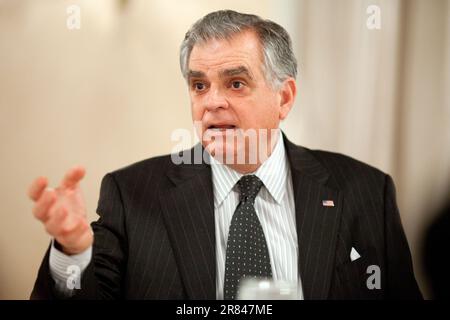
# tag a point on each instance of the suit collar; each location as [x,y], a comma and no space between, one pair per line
[300,160]
[304,163]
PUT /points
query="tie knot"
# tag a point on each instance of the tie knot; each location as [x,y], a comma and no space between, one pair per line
[249,187]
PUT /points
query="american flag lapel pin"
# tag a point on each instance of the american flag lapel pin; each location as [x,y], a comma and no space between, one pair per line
[328,203]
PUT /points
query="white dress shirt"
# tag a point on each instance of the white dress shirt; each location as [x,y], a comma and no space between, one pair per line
[274,206]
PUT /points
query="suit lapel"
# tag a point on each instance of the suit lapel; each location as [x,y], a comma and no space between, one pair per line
[188,209]
[317,224]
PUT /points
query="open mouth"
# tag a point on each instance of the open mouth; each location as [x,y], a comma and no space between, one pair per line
[221,127]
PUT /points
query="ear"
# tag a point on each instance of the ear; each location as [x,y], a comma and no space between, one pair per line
[287,92]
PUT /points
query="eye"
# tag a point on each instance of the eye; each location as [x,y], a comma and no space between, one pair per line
[237,84]
[199,86]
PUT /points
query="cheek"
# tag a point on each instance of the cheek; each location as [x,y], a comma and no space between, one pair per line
[265,114]
[196,110]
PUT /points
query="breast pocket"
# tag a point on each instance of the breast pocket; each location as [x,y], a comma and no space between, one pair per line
[353,271]
[358,279]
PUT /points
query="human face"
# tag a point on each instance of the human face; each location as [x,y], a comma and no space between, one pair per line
[229,91]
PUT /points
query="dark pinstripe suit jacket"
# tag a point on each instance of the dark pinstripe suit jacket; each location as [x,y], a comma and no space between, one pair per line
[155,237]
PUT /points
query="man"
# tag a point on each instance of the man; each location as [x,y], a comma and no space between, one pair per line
[324,222]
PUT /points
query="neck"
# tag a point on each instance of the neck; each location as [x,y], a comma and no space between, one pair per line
[247,168]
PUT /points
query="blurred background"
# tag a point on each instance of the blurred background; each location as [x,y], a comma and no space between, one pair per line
[110,93]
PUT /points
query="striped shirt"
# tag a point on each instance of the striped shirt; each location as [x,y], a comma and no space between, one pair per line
[275,208]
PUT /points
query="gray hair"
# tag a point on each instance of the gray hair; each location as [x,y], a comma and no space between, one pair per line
[279,60]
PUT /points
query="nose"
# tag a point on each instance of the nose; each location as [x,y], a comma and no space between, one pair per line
[216,99]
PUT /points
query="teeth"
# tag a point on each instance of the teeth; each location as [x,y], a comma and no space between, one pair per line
[221,128]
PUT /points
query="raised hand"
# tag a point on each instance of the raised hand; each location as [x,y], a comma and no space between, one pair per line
[63,211]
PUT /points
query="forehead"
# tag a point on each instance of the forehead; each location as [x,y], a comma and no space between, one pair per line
[243,49]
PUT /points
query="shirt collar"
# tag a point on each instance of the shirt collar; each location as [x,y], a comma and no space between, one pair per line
[273,173]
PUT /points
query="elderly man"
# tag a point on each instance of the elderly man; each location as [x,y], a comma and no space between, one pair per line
[324,223]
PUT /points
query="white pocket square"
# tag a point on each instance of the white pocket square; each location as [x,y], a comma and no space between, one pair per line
[354,255]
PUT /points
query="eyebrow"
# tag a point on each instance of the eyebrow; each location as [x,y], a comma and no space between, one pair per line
[223,73]
[196,74]
[236,72]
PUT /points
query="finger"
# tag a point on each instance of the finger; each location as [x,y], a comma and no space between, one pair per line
[72,177]
[43,205]
[36,188]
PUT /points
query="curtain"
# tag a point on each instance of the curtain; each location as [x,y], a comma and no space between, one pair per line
[378,95]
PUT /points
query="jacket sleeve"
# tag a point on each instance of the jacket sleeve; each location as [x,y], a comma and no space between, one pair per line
[400,280]
[102,279]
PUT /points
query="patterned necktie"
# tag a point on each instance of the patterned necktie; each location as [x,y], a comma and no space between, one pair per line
[247,254]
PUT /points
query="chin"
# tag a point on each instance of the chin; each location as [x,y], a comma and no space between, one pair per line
[228,153]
